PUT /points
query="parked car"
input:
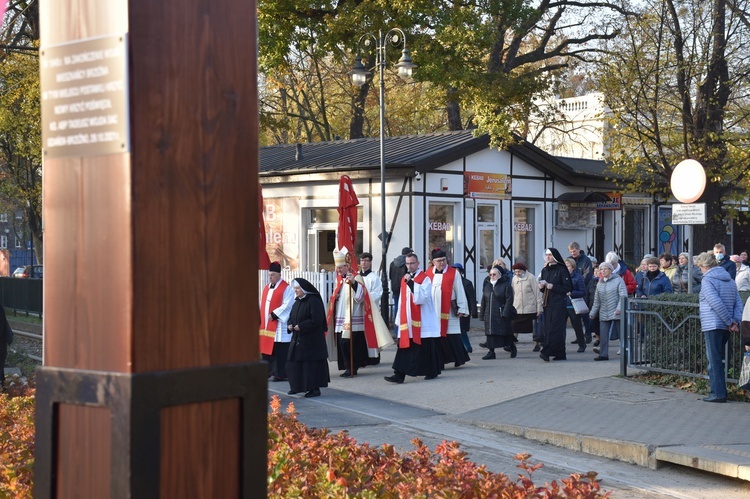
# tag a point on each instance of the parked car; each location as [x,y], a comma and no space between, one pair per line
[34,271]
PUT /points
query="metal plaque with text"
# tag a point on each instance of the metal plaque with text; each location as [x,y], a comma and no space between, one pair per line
[85,98]
[689,214]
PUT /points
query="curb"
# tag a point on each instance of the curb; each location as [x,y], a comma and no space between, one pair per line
[621,450]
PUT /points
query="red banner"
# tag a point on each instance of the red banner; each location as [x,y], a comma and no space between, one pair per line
[346,235]
[263,261]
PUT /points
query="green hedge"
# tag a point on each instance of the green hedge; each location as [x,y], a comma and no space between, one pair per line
[673,340]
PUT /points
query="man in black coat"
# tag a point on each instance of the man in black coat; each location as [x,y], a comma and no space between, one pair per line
[720,252]
[555,284]
[583,263]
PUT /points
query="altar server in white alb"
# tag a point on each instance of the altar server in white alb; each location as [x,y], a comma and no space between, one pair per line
[449,298]
[372,280]
[276,302]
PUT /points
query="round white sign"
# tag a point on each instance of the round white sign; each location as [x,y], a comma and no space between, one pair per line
[688,181]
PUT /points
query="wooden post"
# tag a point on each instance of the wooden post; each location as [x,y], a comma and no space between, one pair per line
[151,385]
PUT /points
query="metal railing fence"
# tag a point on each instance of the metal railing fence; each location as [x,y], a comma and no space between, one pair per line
[665,336]
[22,295]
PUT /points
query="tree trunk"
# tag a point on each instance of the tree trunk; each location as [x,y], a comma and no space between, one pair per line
[714,231]
[453,110]
[35,226]
[357,123]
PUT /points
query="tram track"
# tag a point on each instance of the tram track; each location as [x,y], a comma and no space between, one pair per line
[28,343]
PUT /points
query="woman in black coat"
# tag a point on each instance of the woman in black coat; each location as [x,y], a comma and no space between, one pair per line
[497,312]
[307,365]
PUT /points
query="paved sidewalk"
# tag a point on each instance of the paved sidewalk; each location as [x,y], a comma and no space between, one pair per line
[578,404]
[629,421]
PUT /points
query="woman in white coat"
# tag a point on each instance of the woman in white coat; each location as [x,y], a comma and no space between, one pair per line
[527,299]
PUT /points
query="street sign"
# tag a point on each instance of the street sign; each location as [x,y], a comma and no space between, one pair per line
[689,214]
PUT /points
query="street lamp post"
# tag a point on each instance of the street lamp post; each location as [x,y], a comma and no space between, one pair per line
[359,76]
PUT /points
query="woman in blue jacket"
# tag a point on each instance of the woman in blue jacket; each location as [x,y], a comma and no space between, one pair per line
[721,313]
[653,282]
[579,291]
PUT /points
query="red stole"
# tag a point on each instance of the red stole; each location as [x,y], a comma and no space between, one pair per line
[446,290]
[416,315]
[268,331]
[370,337]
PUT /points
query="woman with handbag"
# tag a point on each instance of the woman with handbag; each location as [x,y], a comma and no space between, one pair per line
[577,294]
[610,289]
[497,313]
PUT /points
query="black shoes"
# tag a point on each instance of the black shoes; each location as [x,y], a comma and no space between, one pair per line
[575,342]
[394,379]
[581,349]
[275,378]
[537,348]
[430,377]
[562,357]
[718,401]
[315,392]
[347,374]
[489,355]
[483,345]
[596,349]
[596,343]
[291,392]
[588,339]
[544,357]
[601,358]
[513,351]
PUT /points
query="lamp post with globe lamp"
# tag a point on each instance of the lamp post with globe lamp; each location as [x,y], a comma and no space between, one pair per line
[688,182]
[360,74]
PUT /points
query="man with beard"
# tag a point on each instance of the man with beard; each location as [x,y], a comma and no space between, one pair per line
[555,284]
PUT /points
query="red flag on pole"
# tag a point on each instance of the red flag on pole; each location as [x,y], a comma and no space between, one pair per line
[347,232]
[263,261]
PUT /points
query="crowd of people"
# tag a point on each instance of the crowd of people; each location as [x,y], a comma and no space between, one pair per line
[433,307]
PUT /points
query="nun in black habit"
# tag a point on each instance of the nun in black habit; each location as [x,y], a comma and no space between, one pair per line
[554,284]
[307,365]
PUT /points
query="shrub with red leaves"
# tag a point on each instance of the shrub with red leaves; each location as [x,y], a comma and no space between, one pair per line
[16,440]
[313,463]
